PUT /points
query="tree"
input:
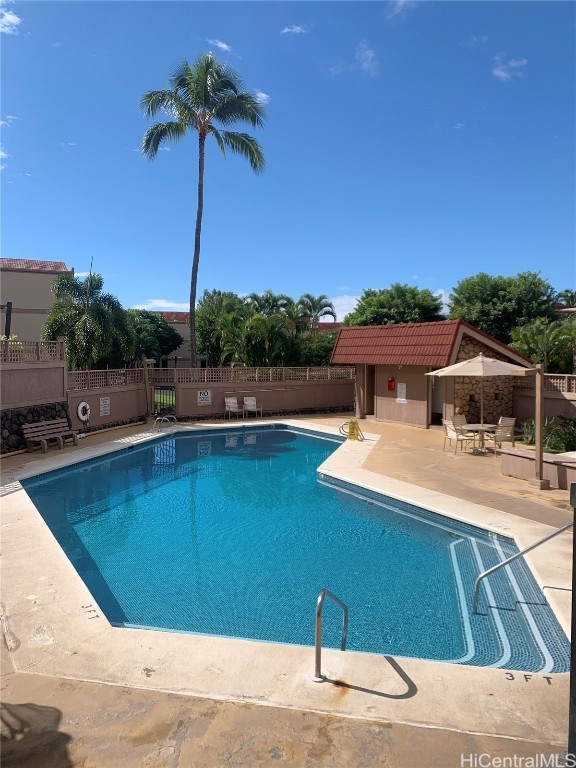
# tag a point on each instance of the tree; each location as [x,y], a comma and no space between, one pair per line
[199,98]
[397,304]
[496,305]
[268,303]
[317,348]
[155,337]
[316,307]
[93,323]
[549,343]
[218,316]
[566,299]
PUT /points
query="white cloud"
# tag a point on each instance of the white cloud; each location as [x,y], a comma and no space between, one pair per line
[3,156]
[219,44]
[445,296]
[164,149]
[294,29]
[164,305]
[262,97]
[396,7]
[81,274]
[458,126]
[507,70]
[56,45]
[475,41]
[9,22]
[9,120]
[366,59]
[344,305]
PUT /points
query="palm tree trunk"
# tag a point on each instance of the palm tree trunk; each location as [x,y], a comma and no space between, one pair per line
[196,259]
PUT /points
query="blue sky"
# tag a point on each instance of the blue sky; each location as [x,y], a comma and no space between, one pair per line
[411,142]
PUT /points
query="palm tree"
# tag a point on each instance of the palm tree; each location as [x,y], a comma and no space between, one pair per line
[549,343]
[268,303]
[93,323]
[316,307]
[200,97]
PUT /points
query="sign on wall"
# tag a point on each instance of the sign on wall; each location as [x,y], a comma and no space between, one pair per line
[104,406]
[401,393]
[204,397]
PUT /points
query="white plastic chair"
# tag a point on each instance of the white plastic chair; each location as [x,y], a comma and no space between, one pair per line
[231,406]
[251,407]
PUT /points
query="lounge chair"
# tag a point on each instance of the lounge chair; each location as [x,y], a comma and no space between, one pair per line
[251,407]
[231,406]
[458,434]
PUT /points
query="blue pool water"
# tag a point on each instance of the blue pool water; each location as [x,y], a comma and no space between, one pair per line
[234,533]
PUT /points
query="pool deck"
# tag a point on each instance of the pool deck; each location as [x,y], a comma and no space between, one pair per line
[96,696]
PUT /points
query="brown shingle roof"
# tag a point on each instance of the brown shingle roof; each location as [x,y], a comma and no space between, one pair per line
[428,344]
[174,317]
[30,265]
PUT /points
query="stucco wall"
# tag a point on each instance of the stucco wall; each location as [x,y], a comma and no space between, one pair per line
[522,464]
[126,403]
[274,397]
[31,296]
[555,404]
[33,383]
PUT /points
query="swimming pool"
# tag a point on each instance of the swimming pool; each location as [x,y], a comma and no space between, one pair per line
[230,532]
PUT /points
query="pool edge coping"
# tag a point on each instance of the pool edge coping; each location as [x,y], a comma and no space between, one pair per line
[45,654]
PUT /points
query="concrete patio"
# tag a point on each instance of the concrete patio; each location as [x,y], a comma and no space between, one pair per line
[58,721]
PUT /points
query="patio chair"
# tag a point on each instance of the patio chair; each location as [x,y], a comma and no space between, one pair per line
[231,406]
[459,420]
[458,434]
[504,433]
[510,423]
[251,407]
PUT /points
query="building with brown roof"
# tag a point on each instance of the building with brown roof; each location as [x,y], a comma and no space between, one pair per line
[392,360]
[28,285]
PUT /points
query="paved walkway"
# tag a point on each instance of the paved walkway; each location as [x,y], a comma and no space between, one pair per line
[55,723]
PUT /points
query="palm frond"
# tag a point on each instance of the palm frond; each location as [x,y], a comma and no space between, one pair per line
[159,133]
[248,146]
[240,107]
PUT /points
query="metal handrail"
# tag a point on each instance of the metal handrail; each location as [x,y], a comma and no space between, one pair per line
[160,420]
[515,557]
[344,430]
[318,677]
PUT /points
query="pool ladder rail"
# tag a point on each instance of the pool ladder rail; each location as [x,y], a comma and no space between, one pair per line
[351,430]
[514,557]
[318,676]
[162,421]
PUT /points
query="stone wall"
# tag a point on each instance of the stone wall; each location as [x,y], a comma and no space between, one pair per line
[12,420]
[498,390]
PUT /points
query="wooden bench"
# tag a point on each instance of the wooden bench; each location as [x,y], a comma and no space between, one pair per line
[43,432]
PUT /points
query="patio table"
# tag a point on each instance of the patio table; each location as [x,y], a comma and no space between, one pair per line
[481,429]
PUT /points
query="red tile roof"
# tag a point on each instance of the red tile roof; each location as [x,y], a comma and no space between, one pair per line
[174,317]
[427,344]
[30,265]
[327,326]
